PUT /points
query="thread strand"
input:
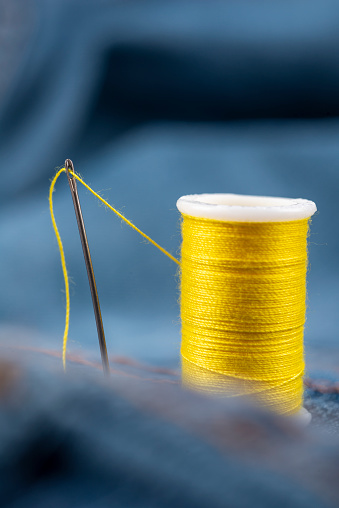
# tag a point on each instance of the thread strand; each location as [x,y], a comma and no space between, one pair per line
[63,264]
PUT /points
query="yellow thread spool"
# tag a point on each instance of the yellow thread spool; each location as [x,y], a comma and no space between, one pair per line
[243,292]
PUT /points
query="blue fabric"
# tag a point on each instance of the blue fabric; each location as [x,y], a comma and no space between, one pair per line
[152,100]
[139,440]
[140,95]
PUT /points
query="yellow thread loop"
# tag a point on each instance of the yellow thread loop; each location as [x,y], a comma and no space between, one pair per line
[243,291]
[63,264]
[62,255]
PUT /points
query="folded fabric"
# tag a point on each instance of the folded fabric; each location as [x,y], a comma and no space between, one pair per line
[138,439]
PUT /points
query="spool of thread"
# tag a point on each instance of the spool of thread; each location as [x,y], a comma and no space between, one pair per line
[243,294]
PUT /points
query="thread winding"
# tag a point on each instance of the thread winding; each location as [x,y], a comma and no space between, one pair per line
[243,292]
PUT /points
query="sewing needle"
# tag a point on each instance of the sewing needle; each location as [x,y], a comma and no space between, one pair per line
[91,279]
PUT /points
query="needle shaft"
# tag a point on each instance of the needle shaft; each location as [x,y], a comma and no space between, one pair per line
[91,279]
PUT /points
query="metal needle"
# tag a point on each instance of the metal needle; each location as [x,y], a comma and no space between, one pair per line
[82,231]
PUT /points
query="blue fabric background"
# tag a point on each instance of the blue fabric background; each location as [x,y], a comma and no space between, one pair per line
[153,100]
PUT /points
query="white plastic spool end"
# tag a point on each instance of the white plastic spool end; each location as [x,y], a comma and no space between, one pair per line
[241,208]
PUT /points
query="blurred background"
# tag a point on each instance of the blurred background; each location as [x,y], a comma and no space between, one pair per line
[153,100]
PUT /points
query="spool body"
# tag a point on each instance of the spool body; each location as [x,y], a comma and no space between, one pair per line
[243,285]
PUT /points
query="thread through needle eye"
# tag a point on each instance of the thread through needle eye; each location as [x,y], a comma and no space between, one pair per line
[89,267]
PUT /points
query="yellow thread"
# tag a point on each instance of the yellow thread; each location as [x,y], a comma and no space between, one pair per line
[243,291]
[126,220]
[63,264]
[62,255]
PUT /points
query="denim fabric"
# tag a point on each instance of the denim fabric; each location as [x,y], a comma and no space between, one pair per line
[141,95]
[139,440]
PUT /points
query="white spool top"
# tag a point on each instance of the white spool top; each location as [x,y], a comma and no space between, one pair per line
[241,208]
